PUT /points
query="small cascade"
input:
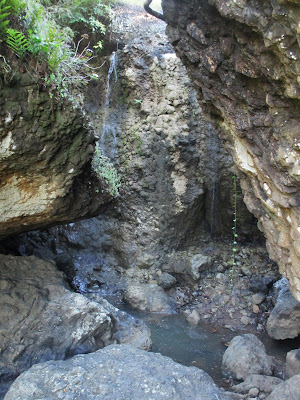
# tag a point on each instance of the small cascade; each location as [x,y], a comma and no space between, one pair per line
[213,177]
[108,139]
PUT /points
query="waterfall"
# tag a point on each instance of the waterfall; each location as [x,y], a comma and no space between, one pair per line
[213,176]
[108,137]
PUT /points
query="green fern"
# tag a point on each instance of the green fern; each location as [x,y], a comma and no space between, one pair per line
[17,42]
[4,13]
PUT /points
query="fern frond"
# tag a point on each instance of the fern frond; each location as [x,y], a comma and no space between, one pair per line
[17,42]
[4,13]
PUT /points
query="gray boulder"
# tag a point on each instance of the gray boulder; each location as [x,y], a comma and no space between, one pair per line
[198,264]
[116,372]
[263,383]
[166,281]
[246,355]
[288,390]
[148,297]
[41,319]
[127,329]
[292,366]
[284,320]
[188,266]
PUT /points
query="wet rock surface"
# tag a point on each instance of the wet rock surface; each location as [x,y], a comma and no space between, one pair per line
[246,355]
[41,319]
[119,372]
[176,177]
[127,329]
[243,59]
[153,246]
[148,297]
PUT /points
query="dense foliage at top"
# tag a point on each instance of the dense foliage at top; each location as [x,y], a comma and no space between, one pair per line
[55,34]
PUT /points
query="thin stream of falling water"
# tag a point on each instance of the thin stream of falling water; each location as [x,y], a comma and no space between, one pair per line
[213,174]
[108,138]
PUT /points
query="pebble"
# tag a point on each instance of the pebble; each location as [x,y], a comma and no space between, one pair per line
[258,298]
[245,320]
[253,392]
[255,309]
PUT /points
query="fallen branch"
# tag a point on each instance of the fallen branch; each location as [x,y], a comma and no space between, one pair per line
[155,13]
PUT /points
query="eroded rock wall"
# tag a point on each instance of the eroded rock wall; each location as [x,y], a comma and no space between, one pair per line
[176,189]
[45,151]
[244,59]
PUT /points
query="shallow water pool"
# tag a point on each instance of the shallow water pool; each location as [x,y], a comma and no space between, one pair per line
[201,346]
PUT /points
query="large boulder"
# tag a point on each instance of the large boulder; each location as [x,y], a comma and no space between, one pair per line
[284,320]
[148,298]
[246,355]
[288,390]
[115,372]
[41,319]
[292,366]
[46,146]
[127,329]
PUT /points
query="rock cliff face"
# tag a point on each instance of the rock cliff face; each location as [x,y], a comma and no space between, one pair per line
[244,59]
[45,148]
[176,177]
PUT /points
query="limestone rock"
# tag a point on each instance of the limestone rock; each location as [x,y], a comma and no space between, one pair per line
[118,372]
[263,383]
[288,390]
[244,63]
[148,298]
[166,281]
[199,263]
[193,317]
[176,174]
[187,266]
[41,319]
[127,329]
[292,366]
[246,355]
[45,151]
[258,298]
[284,320]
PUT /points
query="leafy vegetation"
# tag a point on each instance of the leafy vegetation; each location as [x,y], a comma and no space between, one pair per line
[17,42]
[106,171]
[4,14]
[55,33]
[85,12]
[55,36]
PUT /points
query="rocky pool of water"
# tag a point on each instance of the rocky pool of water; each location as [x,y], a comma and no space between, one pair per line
[202,345]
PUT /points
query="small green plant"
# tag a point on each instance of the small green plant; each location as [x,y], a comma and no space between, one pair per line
[47,29]
[4,13]
[16,6]
[106,171]
[17,42]
[234,230]
[82,12]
